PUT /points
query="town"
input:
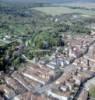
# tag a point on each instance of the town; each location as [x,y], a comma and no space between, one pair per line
[65,76]
[47,55]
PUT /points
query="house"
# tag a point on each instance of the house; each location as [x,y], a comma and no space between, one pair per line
[74,51]
[70,85]
[77,80]
[20,78]
[29,96]
[50,65]
[7,37]
[40,74]
[18,88]
[56,62]
[56,96]
[8,92]
[64,88]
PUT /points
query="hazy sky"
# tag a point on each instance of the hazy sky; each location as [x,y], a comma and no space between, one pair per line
[52,1]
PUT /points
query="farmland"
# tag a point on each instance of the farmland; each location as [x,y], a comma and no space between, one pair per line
[85,5]
[58,10]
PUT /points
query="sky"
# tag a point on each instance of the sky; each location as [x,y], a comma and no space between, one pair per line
[52,1]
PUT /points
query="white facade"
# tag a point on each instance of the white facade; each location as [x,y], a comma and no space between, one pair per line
[50,93]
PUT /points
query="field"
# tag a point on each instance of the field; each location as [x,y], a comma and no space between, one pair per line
[92,92]
[64,10]
[86,5]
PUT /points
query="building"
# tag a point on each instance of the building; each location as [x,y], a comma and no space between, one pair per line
[40,74]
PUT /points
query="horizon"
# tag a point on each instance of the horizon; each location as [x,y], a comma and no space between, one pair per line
[51,1]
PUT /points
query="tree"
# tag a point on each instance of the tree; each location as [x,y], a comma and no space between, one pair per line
[10,56]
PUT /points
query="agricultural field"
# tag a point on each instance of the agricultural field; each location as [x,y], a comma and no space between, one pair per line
[64,10]
[85,5]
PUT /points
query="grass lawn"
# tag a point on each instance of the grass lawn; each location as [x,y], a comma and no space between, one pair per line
[92,92]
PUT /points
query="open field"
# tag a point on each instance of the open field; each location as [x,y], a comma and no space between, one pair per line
[86,5]
[64,10]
